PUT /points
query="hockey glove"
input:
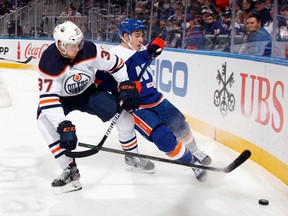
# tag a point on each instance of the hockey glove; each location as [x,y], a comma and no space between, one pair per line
[155,47]
[129,95]
[68,137]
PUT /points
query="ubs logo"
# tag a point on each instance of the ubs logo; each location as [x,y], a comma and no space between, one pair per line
[76,83]
[223,98]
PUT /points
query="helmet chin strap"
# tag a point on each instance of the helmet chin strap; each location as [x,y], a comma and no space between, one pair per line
[64,54]
[62,50]
[128,42]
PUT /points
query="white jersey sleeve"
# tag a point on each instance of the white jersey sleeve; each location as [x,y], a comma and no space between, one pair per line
[111,63]
[122,52]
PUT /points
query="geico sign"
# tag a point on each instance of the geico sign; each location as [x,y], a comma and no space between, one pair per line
[171,76]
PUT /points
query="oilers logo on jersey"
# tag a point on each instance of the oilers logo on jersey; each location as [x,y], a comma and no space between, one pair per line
[76,83]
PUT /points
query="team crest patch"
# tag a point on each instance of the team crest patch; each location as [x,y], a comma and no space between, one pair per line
[76,83]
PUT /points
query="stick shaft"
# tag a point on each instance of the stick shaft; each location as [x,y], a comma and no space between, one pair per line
[237,162]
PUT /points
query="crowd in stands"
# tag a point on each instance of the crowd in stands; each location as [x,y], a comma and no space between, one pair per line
[8,6]
[204,19]
[210,19]
[205,24]
[213,19]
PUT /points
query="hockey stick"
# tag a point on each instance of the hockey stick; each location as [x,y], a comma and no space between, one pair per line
[21,62]
[236,163]
[93,151]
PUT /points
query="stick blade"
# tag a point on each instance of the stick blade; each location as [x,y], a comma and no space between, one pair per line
[238,161]
[81,154]
[27,60]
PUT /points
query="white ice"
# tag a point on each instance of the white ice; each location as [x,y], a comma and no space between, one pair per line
[27,169]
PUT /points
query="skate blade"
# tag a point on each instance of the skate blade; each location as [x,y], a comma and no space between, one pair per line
[70,187]
[139,170]
[202,178]
[202,158]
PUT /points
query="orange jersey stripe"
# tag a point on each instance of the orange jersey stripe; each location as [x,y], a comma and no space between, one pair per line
[176,150]
[49,101]
[56,149]
[153,104]
[53,75]
[142,125]
[128,146]
[119,65]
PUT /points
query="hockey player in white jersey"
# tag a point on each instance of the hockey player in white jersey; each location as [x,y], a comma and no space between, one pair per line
[157,119]
[67,71]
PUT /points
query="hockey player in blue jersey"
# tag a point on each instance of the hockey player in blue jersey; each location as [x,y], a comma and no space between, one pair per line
[66,78]
[157,119]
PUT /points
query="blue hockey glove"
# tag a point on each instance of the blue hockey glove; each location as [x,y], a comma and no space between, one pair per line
[155,47]
[129,95]
[68,137]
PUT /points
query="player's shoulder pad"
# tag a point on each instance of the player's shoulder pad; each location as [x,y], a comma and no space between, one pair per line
[50,62]
[89,50]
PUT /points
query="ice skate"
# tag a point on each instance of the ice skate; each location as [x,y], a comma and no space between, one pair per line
[68,181]
[201,157]
[200,174]
[141,165]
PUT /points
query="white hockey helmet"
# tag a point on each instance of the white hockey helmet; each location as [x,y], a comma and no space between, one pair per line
[68,33]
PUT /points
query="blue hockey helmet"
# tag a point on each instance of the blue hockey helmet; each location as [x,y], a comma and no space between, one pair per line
[129,24]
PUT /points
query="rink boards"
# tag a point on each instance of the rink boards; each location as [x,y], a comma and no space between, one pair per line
[240,101]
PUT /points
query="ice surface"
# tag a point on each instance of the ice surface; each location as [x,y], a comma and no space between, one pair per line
[27,169]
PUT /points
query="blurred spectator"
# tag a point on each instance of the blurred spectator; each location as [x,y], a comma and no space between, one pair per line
[11,29]
[75,17]
[100,35]
[65,12]
[139,7]
[260,8]
[173,36]
[114,34]
[4,9]
[227,23]
[198,20]
[179,5]
[208,5]
[256,40]
[179,14]
[239,17]
[73,12]
[86,5]
[167,10]
[12,5]
[282,22]
[196,7]
[248,8]
[284,28]
[168,28]
[204,12]
[222,4]
[194,36]
[211,26]
[157,30]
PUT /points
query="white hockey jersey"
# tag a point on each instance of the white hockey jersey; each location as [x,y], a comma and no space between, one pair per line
[61,77]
